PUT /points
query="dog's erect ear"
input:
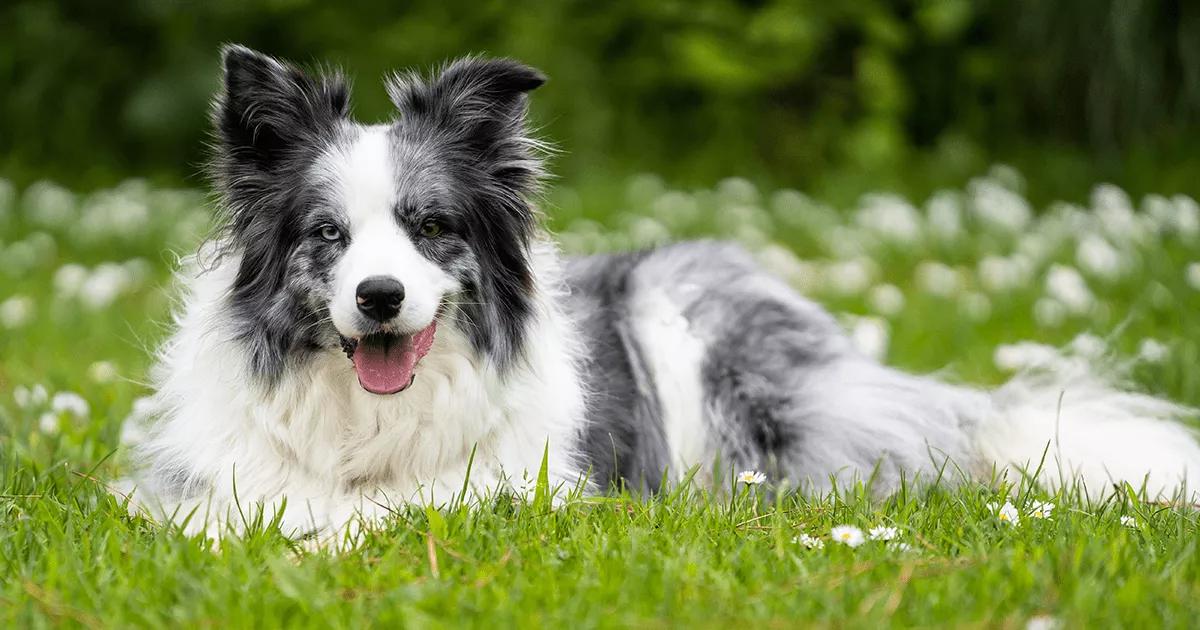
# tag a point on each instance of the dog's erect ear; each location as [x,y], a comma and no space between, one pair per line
[480,104]
[268,105]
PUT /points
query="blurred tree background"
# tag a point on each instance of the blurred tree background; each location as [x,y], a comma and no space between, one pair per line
[836,98]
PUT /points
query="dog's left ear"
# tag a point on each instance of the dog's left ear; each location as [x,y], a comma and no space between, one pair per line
[479,104]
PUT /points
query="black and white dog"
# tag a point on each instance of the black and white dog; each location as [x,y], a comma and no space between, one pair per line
[382,319]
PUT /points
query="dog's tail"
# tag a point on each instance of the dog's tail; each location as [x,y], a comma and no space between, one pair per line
[1071,421]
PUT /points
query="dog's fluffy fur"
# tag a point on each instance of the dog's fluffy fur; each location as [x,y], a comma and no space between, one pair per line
[626,369]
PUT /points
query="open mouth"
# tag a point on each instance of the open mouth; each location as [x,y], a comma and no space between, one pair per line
[387,363]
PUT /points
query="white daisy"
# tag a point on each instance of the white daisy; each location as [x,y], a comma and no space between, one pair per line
[1067,286]
[1153,351]
[886,299]
[28,397]
[871,336]
[848,535]
[70,403]
[811,542]
[1128,521]
[16,311]
[1041,509]
[883,533]
[1193,275]
[1006,513]
[751,477]
[1041,622]
[102,372]
[48,423]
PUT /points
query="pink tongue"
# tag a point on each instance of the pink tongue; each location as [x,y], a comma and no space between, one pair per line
[389,369]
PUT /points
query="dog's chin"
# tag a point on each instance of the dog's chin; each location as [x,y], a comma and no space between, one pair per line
[386,363]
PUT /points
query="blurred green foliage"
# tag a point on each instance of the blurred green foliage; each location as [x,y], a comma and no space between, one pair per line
[833,97]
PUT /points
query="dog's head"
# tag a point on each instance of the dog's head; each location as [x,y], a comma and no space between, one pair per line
[365,238]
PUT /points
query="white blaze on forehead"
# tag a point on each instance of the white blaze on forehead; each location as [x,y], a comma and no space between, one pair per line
[363,177]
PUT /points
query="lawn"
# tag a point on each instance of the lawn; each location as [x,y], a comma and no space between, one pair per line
[973,283]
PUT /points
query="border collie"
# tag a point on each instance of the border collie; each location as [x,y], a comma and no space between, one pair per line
[383,319]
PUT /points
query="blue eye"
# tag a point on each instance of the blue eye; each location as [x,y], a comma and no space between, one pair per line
[330,233]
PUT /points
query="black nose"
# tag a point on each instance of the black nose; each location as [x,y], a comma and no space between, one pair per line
[380,297]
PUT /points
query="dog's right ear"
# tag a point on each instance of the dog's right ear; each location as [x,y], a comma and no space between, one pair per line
[267,106]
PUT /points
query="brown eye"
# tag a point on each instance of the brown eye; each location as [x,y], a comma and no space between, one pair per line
[330,233]
[431,229]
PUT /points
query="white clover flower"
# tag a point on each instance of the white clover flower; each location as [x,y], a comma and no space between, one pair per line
[1042,622]
[21,396]
[1114,210]
[48,423]
[1088,346]
[748,224]
[848,535]
[998,207]
[850,277]
[1008,176]
[1040,509]
[1066,285]
[43,247]
[38,395]
[890,216]
[737,191]
[883,533]
[1038,246]
[1153,351]
[781,261]
[999,274]
[811,542]
[1049,312]
[69,278]
[49,204]
[102,372]
[676,208]
[69,403]
[797,210]
[647,232]
[1006,513]
[1187,216]
[1128,521]
[1023,355]
[886,299]
[944,212]
[106,282]
[138,270]
[870,335]
[1192,273]
[1097,257]
[938,278]
[847,243]
[16,311]
[19,258]
[751,477]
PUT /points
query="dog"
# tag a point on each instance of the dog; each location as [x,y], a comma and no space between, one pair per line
[382,319]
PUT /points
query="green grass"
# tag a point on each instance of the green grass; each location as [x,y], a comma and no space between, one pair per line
[70,555]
